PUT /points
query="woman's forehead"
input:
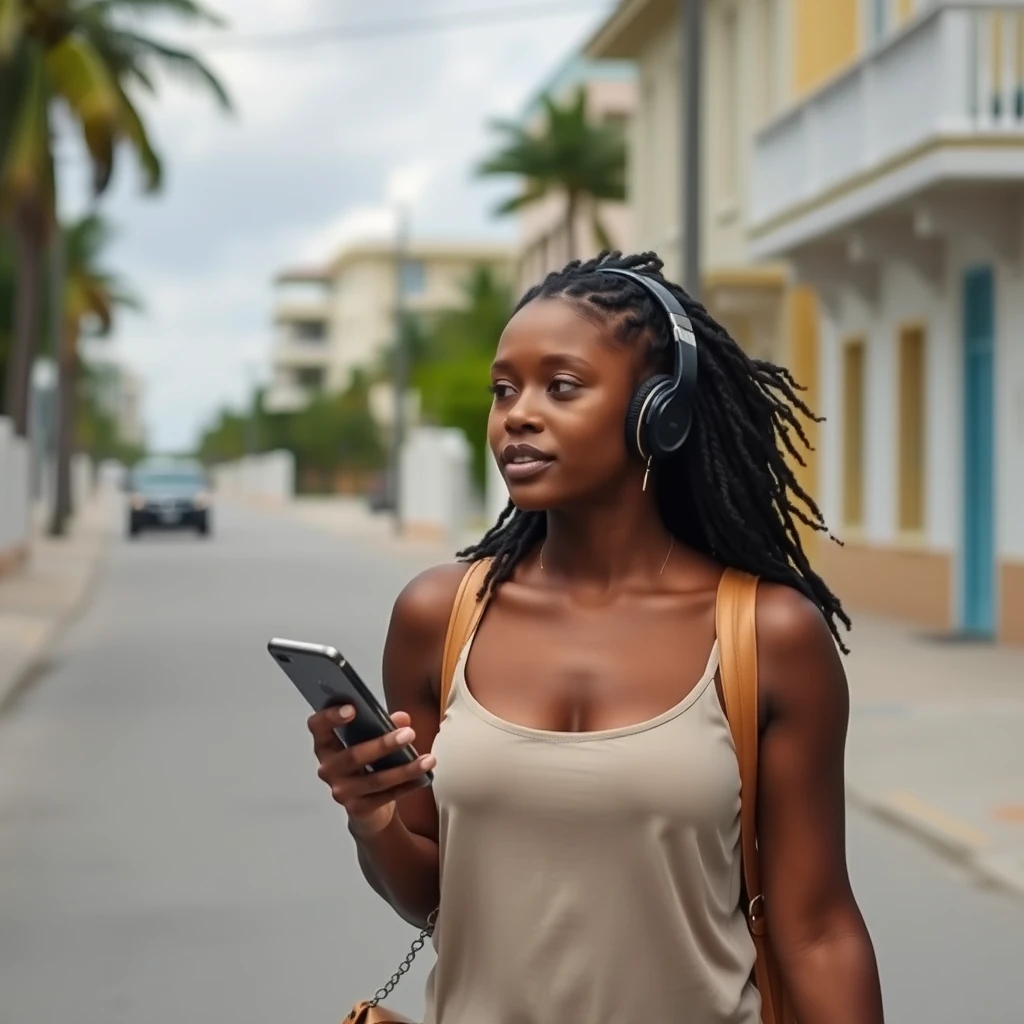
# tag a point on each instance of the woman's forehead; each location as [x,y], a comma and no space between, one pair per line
[548,324]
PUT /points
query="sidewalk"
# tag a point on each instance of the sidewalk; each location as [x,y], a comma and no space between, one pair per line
[40,599]
[936,744]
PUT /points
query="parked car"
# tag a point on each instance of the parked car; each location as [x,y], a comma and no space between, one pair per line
[379,496]
[169,495]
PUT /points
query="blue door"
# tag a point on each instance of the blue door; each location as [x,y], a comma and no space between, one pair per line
[978,569]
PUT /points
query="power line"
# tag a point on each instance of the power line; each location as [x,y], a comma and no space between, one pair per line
[401,26]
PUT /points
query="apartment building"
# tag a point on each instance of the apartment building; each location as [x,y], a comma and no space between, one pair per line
[119,391]
[333,319]
[543,238]
[894,182]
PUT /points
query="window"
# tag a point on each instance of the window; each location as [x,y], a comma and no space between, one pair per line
[911,420]
[853,432]
[413,277]
[309,330]
[311,377]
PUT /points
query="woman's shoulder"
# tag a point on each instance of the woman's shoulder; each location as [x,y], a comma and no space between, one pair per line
[425,602]
[798,658]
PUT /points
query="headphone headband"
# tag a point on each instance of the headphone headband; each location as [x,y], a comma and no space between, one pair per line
[664,413]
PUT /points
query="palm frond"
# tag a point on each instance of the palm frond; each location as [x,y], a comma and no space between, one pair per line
[132,49]
[12,27]
[27,169]
[569,152]
[134,130]
[187,10]
[78,74]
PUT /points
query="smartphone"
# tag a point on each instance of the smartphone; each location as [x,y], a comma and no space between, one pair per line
[327,680]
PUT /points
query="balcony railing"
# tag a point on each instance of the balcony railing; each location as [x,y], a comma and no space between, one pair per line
[956,73]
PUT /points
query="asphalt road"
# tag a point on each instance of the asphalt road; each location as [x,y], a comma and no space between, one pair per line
[167,853]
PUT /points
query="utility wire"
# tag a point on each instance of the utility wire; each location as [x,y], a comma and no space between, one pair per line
[400,26]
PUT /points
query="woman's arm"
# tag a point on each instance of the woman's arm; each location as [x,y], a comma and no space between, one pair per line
[398,850]
[816,928]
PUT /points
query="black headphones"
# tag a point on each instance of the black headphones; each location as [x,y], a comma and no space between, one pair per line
[661,410]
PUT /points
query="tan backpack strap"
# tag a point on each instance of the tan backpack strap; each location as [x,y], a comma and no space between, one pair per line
[736,625]
[466,612]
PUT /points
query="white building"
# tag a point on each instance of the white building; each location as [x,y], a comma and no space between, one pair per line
[120,392]
[896,188]
[332,320]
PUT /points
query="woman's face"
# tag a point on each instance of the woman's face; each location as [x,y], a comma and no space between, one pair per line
[562,387]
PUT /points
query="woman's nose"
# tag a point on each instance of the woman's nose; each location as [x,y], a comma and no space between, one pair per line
[523,415]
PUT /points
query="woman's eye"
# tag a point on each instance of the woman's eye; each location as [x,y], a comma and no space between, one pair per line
[563,386]
[501,390]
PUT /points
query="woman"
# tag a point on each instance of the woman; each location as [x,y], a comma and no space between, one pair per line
[585,777]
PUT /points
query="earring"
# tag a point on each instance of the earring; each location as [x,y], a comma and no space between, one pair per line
[647,471]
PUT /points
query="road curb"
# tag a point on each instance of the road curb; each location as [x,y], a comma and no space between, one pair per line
[28,668]
[955,840]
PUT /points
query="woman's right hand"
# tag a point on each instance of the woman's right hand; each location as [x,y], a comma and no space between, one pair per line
[368,797]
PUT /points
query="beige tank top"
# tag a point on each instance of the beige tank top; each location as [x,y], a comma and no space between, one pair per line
[590,878]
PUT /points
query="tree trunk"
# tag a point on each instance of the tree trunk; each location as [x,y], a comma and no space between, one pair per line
[572,204]
[67,387]
[29,234]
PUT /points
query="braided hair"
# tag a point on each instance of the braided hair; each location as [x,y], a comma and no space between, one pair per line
[730,492]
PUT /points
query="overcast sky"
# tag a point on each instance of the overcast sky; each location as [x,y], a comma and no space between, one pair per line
[304,164]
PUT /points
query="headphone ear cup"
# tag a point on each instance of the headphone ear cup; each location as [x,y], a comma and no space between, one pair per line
[637,421]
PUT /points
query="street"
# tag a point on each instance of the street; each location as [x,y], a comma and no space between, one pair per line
[167,852]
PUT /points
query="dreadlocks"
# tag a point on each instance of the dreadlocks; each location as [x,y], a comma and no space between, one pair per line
[730,492]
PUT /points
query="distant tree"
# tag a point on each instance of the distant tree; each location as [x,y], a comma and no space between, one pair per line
[453,379]
[91,296]
[338,431]
[572,155]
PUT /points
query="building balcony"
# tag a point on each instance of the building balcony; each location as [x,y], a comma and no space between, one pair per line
[292,353]
[922,137]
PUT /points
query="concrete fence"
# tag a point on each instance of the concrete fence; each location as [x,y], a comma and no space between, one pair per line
[269,475]
[435,493]
[15,500]
[496,497]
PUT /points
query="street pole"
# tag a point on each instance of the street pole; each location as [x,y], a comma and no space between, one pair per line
[251,440]
[400,375]
[691,25]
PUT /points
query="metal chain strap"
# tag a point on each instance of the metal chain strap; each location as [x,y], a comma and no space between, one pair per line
[403,968]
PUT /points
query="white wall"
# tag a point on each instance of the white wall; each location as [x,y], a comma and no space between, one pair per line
[654,174]
[1009,389]
[14,490]
[496,497]
[269,475]
[435,491]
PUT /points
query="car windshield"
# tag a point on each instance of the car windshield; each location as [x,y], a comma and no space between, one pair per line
[146,481]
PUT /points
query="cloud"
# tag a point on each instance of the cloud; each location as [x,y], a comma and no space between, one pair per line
[321,139]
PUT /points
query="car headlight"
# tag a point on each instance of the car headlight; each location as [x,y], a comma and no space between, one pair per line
[138,502]
[201,500]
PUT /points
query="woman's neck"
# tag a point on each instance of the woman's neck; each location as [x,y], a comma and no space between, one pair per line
[606,544]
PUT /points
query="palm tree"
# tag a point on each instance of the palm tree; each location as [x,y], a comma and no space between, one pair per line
[583,160]
[79,54]
[91,294]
